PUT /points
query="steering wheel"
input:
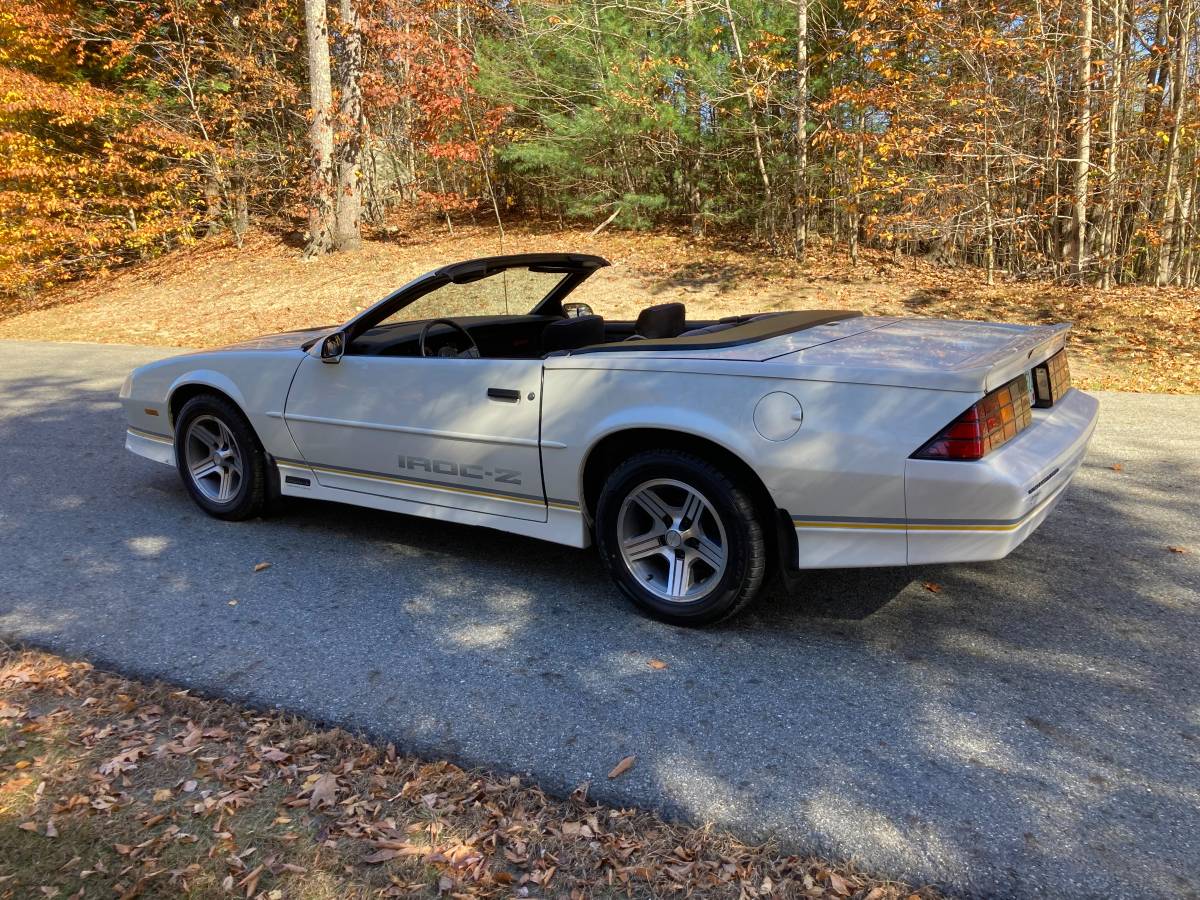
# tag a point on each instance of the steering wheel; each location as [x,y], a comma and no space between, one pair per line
[471,352]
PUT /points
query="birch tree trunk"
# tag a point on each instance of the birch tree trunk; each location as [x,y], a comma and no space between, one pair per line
[1083,161]
[1116,72]
[800,201]
[352,125]
[1179,79]
[321,211]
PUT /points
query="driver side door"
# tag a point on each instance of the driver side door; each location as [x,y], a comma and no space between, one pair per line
[450,432]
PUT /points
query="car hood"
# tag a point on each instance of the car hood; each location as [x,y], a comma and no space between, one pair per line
[285,340]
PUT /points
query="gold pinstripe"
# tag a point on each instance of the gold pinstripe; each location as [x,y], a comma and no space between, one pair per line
[981,526]
[893,526]
[453,488]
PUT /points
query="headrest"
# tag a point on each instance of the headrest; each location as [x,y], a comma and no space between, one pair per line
[667,320]
[570,334]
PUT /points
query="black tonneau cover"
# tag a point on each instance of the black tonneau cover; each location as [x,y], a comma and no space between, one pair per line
[757,329]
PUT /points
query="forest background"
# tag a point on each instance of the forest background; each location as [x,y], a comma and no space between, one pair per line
[1031,138]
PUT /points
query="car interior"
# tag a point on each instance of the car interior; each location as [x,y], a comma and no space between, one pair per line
[534,336]
[552,327]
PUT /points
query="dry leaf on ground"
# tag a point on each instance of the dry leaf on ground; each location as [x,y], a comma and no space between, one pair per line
[622,767]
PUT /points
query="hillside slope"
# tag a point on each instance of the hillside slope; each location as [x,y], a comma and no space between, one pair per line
[1137,338]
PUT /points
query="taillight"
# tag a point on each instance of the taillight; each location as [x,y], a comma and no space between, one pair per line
[1051,380]
[997,418]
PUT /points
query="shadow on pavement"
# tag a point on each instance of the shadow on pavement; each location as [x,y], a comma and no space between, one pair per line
[1033,728]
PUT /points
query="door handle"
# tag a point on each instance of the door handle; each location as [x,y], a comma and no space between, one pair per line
[506,394]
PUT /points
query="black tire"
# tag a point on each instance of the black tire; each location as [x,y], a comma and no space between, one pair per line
[746,540]
[249,497]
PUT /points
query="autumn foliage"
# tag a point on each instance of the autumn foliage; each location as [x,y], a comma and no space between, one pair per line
[1031,139]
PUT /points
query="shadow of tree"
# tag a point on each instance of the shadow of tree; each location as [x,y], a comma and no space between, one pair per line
[1032,729]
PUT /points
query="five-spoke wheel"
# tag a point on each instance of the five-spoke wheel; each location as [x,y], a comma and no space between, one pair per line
[219,458]
[214,461]
[680,538]
[672,539]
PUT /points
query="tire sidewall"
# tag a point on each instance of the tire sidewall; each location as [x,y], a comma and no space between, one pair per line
[248,500]
[742,529]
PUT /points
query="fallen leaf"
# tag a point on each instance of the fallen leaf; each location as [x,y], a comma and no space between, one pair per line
[28,826]
[262,566]
[1117,467]
[838,885]
[657,664]
[189,786]
[162,794]
[933,587]
[1178,549]
[622,767]
[324,791]
[380,856]
[10,712]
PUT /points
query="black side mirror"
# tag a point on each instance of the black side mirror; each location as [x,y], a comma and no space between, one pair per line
[332,347]
[576,310]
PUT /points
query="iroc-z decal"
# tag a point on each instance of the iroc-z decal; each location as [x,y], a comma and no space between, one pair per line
[461,470]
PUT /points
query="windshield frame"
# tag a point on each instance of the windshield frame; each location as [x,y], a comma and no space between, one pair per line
[575,267]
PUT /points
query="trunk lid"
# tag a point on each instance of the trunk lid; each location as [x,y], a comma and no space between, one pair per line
[935,353]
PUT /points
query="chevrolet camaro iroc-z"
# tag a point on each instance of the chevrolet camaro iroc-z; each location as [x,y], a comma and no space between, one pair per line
[698,456]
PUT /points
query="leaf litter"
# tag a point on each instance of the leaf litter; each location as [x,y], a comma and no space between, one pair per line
[146,790]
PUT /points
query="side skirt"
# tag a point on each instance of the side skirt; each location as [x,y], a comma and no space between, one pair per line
[563,526]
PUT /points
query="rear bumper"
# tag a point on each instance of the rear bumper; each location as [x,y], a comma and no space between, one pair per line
[971,511]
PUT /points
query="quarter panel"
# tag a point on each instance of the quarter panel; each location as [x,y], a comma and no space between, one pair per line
[846,460]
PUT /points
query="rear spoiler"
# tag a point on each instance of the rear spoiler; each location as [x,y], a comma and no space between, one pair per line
[1022,353]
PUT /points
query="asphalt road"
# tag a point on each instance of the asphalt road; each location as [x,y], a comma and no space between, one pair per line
[1033,729]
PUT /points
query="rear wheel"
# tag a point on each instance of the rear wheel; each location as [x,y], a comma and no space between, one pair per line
[682,540]
[219,458]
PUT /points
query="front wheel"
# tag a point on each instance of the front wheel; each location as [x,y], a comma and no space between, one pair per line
[219,458]
[681,539]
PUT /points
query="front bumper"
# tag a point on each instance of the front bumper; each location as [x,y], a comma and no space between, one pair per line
[157,447]
[971,511]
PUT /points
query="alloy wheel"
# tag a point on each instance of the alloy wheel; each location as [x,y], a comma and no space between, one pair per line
[672,540]
[214,460]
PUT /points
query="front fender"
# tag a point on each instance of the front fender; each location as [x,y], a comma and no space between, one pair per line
[207,378]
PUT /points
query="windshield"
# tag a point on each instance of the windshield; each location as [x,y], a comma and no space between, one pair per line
[509,292]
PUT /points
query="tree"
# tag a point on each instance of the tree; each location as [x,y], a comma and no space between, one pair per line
[800,181]
[1083,161]
[351,132]
[321,208]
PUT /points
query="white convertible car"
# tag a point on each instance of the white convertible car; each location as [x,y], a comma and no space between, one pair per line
[696,455]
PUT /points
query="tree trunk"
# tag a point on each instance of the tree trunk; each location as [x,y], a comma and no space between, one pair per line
[241,209]
[1108,232]
[1179,78]
[800,201]
[321,210]
[1083,161]
[352,125]
[691,102]
[759,154]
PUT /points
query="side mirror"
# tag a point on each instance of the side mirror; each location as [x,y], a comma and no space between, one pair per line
[332,347]
[576,310]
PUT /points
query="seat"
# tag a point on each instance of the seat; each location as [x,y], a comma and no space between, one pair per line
[666,320]
[564,335]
